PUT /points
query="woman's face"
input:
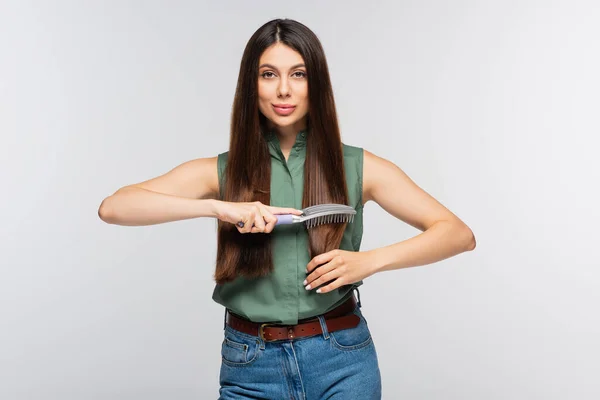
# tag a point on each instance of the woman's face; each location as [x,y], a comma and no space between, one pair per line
[283,87]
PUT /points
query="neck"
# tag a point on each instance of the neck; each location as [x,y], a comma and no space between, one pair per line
[287,134]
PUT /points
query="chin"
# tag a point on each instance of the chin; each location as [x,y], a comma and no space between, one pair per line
[283,121]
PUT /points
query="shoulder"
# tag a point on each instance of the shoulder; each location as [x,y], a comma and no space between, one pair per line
[352,151]
[223,156]
[353,160]
[221,160]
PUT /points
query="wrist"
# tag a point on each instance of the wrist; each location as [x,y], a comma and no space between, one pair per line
[378,263]
[213,208]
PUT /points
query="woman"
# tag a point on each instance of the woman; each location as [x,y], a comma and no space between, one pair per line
[293,327]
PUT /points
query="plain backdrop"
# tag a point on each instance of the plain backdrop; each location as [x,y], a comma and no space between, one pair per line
[490,106]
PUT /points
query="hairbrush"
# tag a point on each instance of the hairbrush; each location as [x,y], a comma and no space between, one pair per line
[317,215]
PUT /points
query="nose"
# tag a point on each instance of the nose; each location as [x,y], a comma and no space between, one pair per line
[283,89]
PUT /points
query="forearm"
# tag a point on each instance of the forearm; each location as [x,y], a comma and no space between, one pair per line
[442,240]
[133,206]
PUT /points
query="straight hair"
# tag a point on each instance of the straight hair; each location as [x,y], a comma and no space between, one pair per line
[247,176]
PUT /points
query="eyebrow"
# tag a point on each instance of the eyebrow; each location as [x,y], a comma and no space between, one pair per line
[274,67]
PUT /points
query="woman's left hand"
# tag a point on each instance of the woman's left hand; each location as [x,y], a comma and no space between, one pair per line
[341,267]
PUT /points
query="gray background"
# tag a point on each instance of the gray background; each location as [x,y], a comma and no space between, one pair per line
[490,106]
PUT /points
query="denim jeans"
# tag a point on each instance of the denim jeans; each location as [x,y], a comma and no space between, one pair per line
[330,365]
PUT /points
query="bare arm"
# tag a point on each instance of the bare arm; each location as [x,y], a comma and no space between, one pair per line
[444,234]
[187,191]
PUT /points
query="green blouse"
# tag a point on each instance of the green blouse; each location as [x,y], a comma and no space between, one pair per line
[280,297]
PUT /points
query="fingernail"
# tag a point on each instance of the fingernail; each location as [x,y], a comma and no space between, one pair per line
[304,283]
[307,287]
[318,290]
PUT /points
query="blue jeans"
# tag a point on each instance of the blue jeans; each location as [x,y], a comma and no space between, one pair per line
[331,365]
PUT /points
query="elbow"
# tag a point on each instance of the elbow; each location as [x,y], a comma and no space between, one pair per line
[105,211]
[462,236]
[470,242]
[110,206]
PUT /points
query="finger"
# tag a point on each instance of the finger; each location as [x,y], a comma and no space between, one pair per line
[284,210]
[270,220]
[241,230]
[248,219]
[317,273]
[339,282]
[321,259]
[319,276]
[325,278]
[250,224]
[240,224]
[259,222]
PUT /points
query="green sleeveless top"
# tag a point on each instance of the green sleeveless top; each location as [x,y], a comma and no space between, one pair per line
[280,297]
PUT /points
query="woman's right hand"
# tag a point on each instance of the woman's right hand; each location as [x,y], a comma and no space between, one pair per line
[256,216]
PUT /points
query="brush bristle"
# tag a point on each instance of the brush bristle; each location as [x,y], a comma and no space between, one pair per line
[329,219]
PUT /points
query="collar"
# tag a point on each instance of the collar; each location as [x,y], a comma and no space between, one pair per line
[275,147]
[271,137]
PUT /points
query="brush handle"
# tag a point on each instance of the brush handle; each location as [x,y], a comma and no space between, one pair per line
[284,219]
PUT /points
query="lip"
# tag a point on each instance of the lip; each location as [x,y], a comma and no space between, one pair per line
[283,109]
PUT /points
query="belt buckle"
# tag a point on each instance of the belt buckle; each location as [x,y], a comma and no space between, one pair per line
[261,332]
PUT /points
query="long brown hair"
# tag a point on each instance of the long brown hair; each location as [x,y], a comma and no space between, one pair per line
[248,171]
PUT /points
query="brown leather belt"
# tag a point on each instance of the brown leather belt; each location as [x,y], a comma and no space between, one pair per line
[337,319]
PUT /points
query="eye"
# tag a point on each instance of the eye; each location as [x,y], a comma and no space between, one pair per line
[267,74]
[299,74]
